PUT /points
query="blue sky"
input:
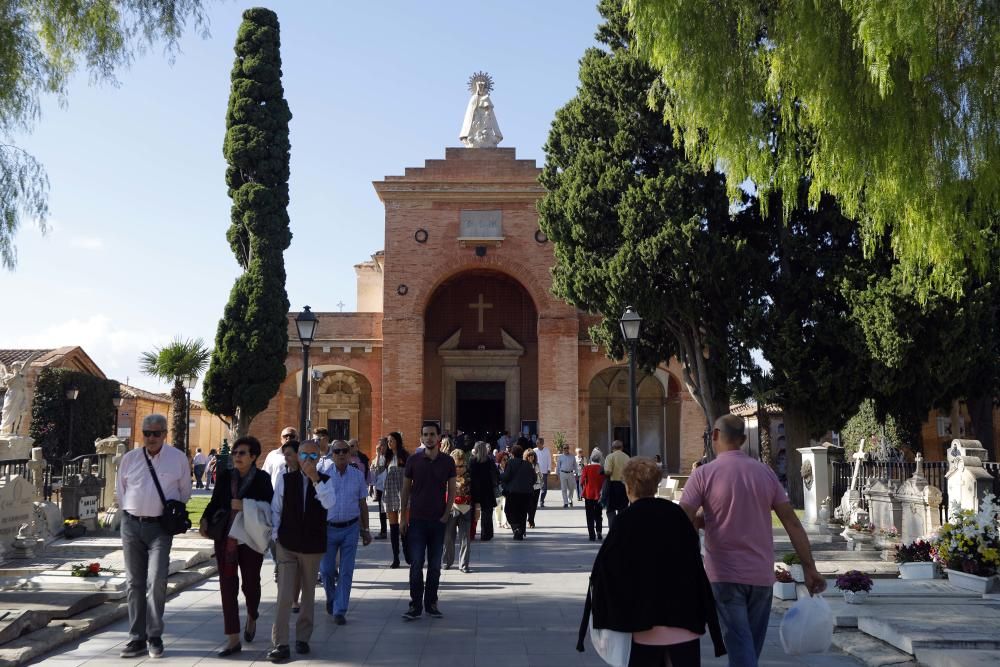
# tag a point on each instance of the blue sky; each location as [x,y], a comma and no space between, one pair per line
[137,253]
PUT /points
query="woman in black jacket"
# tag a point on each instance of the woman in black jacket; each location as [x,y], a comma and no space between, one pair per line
[518,482]
[484,484]
[243,482]
[648,579]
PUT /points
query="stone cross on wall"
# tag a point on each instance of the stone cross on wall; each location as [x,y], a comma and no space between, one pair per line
[858,457]
[920,466]
[481,307]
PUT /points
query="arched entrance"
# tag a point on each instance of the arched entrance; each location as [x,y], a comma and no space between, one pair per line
[481,355]
[343,400]
[658,401]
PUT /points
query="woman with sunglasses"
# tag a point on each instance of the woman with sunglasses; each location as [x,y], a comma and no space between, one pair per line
[395,465]
[233,488]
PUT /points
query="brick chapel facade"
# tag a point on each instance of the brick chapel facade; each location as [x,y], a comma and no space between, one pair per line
[457,324]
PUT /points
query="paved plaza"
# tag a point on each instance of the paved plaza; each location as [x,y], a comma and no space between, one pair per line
[520,606]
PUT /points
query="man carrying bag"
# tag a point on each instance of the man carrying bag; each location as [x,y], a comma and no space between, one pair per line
[154,483]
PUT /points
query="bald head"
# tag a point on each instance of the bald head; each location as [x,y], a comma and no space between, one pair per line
[729,432]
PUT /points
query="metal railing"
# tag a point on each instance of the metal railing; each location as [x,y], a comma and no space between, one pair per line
[893,471]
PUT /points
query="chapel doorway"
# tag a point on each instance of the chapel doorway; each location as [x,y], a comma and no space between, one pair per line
[479,409]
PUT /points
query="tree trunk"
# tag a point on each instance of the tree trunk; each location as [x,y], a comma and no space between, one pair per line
[697,378]
[180,419]
[764,435]
[796,435]
[981,413]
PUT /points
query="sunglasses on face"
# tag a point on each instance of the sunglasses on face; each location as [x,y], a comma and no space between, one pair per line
[308,455]
[153,434]
[340,451]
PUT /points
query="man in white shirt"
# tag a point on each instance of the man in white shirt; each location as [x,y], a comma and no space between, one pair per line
[566,467]
[544,456]
[504,442]
[199,462]
[145,544]
[275,458]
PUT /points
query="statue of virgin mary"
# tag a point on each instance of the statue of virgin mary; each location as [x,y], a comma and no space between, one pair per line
[480,129]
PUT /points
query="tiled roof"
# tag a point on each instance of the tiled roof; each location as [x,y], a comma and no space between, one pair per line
[128,391]
[7,357]
[749,409]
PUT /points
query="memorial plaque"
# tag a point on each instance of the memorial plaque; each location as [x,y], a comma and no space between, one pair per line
[481,225]
[88,507]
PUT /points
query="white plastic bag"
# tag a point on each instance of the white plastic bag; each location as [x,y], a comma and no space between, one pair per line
[807,627]
[614,647]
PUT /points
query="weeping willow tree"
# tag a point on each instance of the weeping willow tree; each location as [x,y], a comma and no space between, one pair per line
[889,105]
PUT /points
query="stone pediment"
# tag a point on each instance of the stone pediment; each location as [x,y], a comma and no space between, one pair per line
[449,348]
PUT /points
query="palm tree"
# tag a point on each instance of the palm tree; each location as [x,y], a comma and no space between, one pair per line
[176,361]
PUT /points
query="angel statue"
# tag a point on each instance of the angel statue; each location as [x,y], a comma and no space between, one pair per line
[480,129]
[15,400]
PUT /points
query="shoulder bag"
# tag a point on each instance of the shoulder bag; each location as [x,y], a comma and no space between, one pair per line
[216,526]
[174,519]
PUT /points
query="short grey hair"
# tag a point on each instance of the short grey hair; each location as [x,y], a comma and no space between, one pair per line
[152,420]
[597,456]
[731,428]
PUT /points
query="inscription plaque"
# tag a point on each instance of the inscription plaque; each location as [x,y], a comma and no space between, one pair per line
[481,225]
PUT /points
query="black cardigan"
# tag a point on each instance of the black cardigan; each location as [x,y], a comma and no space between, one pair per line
[649,572]
[519,476]
[260,489]
[484,482]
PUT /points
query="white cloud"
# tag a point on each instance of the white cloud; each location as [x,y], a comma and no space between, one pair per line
[87,242]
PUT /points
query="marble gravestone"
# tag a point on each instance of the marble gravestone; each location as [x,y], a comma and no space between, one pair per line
[920,503]
[81,498]
[16,508]
[884,507]
[968,480]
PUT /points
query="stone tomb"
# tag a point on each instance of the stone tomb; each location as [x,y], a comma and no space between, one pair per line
[81,497]
[17,509]
[884,507]
[968,480]
[920,502]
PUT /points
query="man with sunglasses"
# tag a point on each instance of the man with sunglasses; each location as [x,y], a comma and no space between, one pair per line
[426,501]
[145,544]
[298,519]
[346,520]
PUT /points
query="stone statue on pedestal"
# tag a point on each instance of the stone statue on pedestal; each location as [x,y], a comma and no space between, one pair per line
[480,129]
[15,400]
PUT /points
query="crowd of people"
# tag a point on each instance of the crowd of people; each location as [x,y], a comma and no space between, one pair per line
[306,504]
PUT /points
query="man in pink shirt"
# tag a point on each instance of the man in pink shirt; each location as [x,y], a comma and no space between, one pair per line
[736,495]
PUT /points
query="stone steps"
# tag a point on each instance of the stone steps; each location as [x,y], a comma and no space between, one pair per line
[935,657]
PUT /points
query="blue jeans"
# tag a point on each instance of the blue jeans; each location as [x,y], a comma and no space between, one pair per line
[743,612]
[426,538]
[338,587]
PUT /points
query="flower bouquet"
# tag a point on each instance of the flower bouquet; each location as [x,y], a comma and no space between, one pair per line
[916,560]
[72,528]
[784,584]
[968,546]
[89,569]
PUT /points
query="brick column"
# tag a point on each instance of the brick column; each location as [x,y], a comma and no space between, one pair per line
[558,379]
[403,378]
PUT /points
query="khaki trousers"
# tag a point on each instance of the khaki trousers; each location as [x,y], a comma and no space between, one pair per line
[292,568]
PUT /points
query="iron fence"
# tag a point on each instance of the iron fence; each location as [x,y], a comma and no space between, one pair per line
[16,467]
[896,472]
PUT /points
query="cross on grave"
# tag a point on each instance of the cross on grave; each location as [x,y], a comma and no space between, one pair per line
[480,306]
[340,304]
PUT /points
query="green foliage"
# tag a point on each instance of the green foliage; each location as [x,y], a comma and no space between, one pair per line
[634,223]
[890,106]
[248,362]
[867,423]
[93,412]
[42,42]
[175,362]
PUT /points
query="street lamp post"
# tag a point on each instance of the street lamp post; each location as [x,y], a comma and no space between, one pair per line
[116,400]
[631,323]
[189,384]
[72,391]
[305,324]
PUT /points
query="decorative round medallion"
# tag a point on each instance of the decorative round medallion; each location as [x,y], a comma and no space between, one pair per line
[540,236]
[402,290]
[420,236]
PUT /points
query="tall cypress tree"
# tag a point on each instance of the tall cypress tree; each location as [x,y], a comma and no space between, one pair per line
[248,362]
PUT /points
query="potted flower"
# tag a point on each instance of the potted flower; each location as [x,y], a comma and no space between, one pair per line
[72,528]
[784,585]
[855,585]
[916,560]
[794,564]
[968,547]
[887,537]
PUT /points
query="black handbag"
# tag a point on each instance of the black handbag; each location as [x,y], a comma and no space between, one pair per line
[174,519]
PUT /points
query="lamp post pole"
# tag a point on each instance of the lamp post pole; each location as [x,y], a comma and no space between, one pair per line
[71,393]
[116,400]
[305,324]
[189,384]
[631,324]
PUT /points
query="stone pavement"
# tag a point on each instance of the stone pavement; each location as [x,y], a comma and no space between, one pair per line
[521,605]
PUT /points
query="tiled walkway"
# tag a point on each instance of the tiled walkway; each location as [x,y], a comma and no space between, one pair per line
[520,605]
